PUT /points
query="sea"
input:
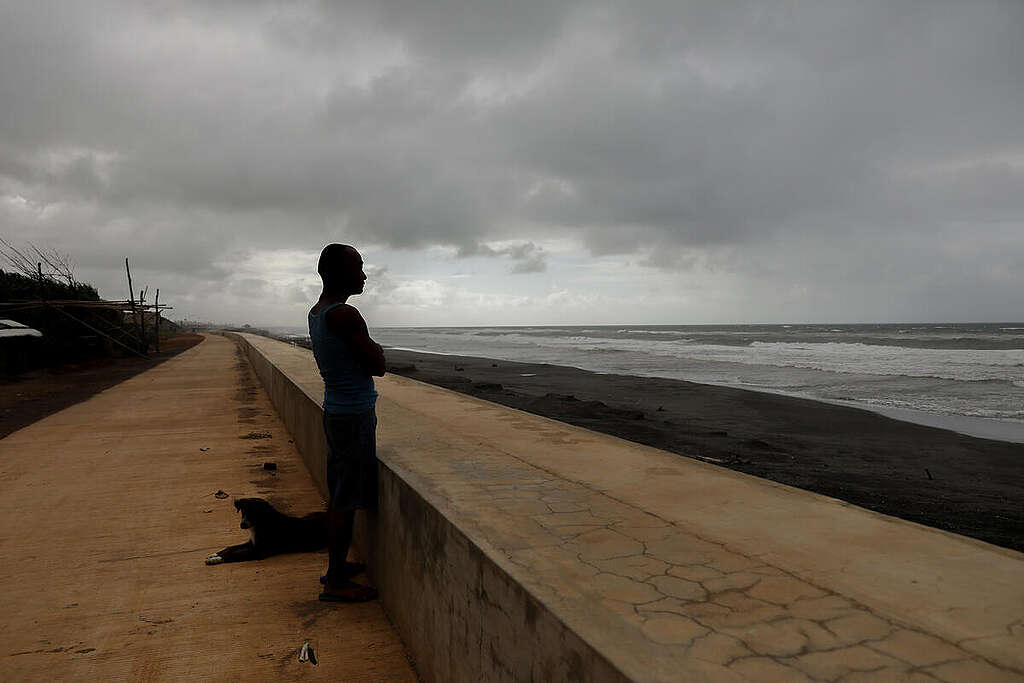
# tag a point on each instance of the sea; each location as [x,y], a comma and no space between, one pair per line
[965,377]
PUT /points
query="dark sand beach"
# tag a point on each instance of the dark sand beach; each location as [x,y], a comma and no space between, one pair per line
[936,477]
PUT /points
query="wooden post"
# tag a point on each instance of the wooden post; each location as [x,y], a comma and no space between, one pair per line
[131,298]
[156,307]
[142,320]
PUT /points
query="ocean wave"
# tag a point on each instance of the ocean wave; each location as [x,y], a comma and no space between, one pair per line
[839,357]
[627,330]
[939,408]
[811,361]
[868,359]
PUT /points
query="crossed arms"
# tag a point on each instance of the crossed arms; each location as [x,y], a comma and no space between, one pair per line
[345,322]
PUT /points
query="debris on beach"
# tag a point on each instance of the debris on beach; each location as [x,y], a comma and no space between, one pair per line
[204,448]
[270,466]
[307,654]
[257,435]
[220,494]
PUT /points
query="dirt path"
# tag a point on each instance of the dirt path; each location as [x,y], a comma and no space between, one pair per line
[36,394]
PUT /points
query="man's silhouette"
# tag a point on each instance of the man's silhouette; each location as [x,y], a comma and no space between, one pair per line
[347,358]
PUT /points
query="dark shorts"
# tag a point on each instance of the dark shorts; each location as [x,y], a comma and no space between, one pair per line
[352,460]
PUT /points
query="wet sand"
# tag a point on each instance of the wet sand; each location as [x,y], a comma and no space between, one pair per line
[959,483]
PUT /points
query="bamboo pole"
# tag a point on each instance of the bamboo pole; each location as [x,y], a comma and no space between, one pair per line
[131,290]
[142,321]
[131,298]
[101,333]
[119,329]
[83,303]
[120,306]
[157,314]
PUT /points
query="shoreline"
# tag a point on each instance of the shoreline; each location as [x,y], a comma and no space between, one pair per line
[967,425]
[932,476]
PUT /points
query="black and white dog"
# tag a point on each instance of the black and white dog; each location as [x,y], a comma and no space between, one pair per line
[272,533]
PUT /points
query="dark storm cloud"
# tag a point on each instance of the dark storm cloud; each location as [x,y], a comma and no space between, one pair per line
[205,128]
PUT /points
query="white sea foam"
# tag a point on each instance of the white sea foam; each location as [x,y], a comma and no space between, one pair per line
[868,359]
[924,368]
[841,357]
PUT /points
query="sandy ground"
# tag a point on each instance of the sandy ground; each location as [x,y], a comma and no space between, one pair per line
[109,509]
[963,484]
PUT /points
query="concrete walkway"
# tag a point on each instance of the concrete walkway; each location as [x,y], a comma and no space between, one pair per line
[670,565]
[108,512]
[675,569]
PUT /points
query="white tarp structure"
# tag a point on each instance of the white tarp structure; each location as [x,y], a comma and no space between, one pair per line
[12,328]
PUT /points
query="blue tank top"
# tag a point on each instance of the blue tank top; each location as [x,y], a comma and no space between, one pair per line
[348,388]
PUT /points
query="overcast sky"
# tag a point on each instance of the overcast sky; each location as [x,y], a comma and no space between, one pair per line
[527,162]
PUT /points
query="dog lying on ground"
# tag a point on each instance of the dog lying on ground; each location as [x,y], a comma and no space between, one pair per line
[272,533]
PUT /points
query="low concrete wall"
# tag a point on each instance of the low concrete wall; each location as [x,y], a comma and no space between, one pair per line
[460,615]
[512,547]
[300,412]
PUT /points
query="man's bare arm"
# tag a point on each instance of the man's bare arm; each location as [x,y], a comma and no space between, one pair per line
[346,323]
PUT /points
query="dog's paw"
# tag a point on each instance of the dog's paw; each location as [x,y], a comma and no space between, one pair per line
[214,558]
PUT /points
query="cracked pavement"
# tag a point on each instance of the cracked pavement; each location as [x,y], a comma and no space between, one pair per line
[660,599]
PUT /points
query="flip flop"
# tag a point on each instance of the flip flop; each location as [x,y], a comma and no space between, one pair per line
[357,593]
[348,571]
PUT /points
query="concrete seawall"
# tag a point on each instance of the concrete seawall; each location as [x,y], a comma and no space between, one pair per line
[459,613]
[511,547]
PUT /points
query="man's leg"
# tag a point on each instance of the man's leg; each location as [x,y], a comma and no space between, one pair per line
[338,588]
[339,539]
[347,440]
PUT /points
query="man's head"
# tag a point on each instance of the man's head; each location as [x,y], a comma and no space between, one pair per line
[341,268]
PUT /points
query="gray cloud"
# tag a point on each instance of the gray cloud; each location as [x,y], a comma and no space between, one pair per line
[527,256]
[189,132]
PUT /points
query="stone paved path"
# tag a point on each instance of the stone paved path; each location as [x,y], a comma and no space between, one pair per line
[108,511]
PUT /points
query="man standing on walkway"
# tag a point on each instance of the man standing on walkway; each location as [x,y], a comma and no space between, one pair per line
[347,359]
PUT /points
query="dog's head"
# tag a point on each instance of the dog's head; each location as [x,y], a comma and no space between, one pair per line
[253,510]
